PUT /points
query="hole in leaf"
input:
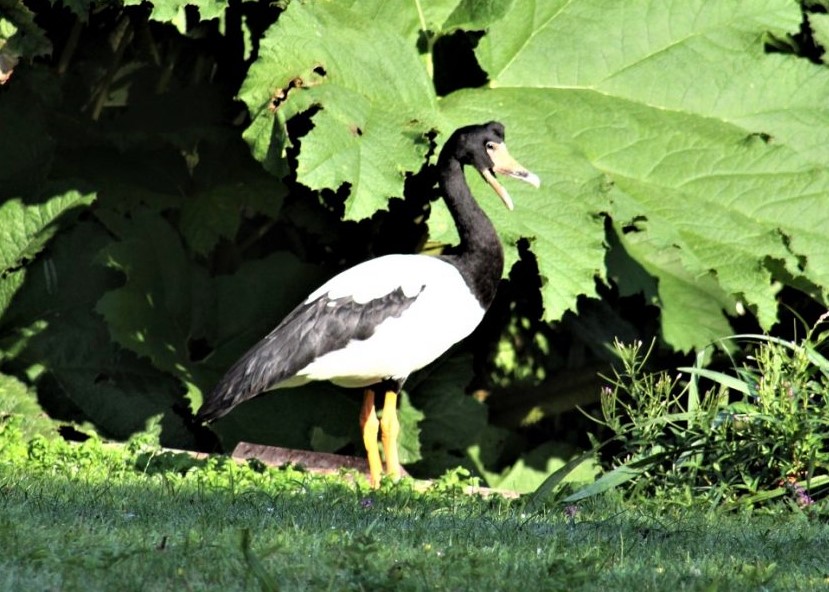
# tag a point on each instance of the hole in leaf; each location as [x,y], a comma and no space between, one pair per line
[198,349]
[455,63]
[281,95]
[634,225]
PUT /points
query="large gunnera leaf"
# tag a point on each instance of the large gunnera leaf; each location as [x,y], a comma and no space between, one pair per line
[52,335]
[168,307]
[672,118]
[371,98]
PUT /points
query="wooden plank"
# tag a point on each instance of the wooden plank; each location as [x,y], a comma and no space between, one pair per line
[314,462]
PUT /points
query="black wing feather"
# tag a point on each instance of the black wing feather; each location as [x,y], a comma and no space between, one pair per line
[312,330]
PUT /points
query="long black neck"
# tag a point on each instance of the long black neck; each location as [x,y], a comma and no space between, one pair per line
[479,256]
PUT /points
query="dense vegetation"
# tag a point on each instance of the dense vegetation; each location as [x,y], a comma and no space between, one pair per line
[175,176]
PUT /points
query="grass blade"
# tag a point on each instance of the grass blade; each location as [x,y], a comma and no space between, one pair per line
[550,483]
[725,380]
[266,582]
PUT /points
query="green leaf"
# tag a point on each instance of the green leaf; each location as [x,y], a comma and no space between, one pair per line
[692,307]
[727,168]
[62,282]
[606,482]
[451,421]
[25,229]
[10,283]
[434,17]
[410,439]
[819,23]
[718,377]
[116,391]
[406,18]
[561,475]
[53,335]
[20,36]
[249,303]
[173,11]
[534,468]
[453,418]
[24,232]
[154,313]
[16,398]
[477,14]
[235,186]
[293,418]
[631,469]
[168,301]
[321,441]
[205,221]
[374,98]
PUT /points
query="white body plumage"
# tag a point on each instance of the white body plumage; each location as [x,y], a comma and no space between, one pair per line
[442,312]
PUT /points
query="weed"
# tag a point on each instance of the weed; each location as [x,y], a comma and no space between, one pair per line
[757,435]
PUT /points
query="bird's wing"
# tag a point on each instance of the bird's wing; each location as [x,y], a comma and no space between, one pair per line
[348,307]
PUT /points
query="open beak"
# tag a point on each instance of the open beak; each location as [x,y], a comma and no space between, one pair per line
[504,164]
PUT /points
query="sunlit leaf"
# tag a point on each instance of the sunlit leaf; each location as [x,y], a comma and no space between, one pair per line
[533,469]
[17,399]
[372,98]
[24,231]
[727,168]
[173,11]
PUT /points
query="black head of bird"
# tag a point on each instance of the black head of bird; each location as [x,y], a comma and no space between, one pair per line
[484,148]
[374,324]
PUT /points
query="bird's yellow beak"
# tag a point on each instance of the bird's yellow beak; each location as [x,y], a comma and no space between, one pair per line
[504,164]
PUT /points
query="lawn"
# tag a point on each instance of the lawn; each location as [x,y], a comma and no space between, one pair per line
[91,517]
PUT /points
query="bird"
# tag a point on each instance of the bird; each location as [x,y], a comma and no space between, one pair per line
[374,324]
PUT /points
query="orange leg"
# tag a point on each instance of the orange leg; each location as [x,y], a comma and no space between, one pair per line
[369,425]
[389,431]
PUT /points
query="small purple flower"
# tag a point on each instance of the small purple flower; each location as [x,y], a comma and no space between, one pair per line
[802,498]
[571,511]
[366,502]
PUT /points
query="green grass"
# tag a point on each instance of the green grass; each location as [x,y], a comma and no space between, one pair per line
[93,518]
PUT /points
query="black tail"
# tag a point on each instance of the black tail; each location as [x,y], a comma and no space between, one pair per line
[312,330]
[256,372]
[218,403]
